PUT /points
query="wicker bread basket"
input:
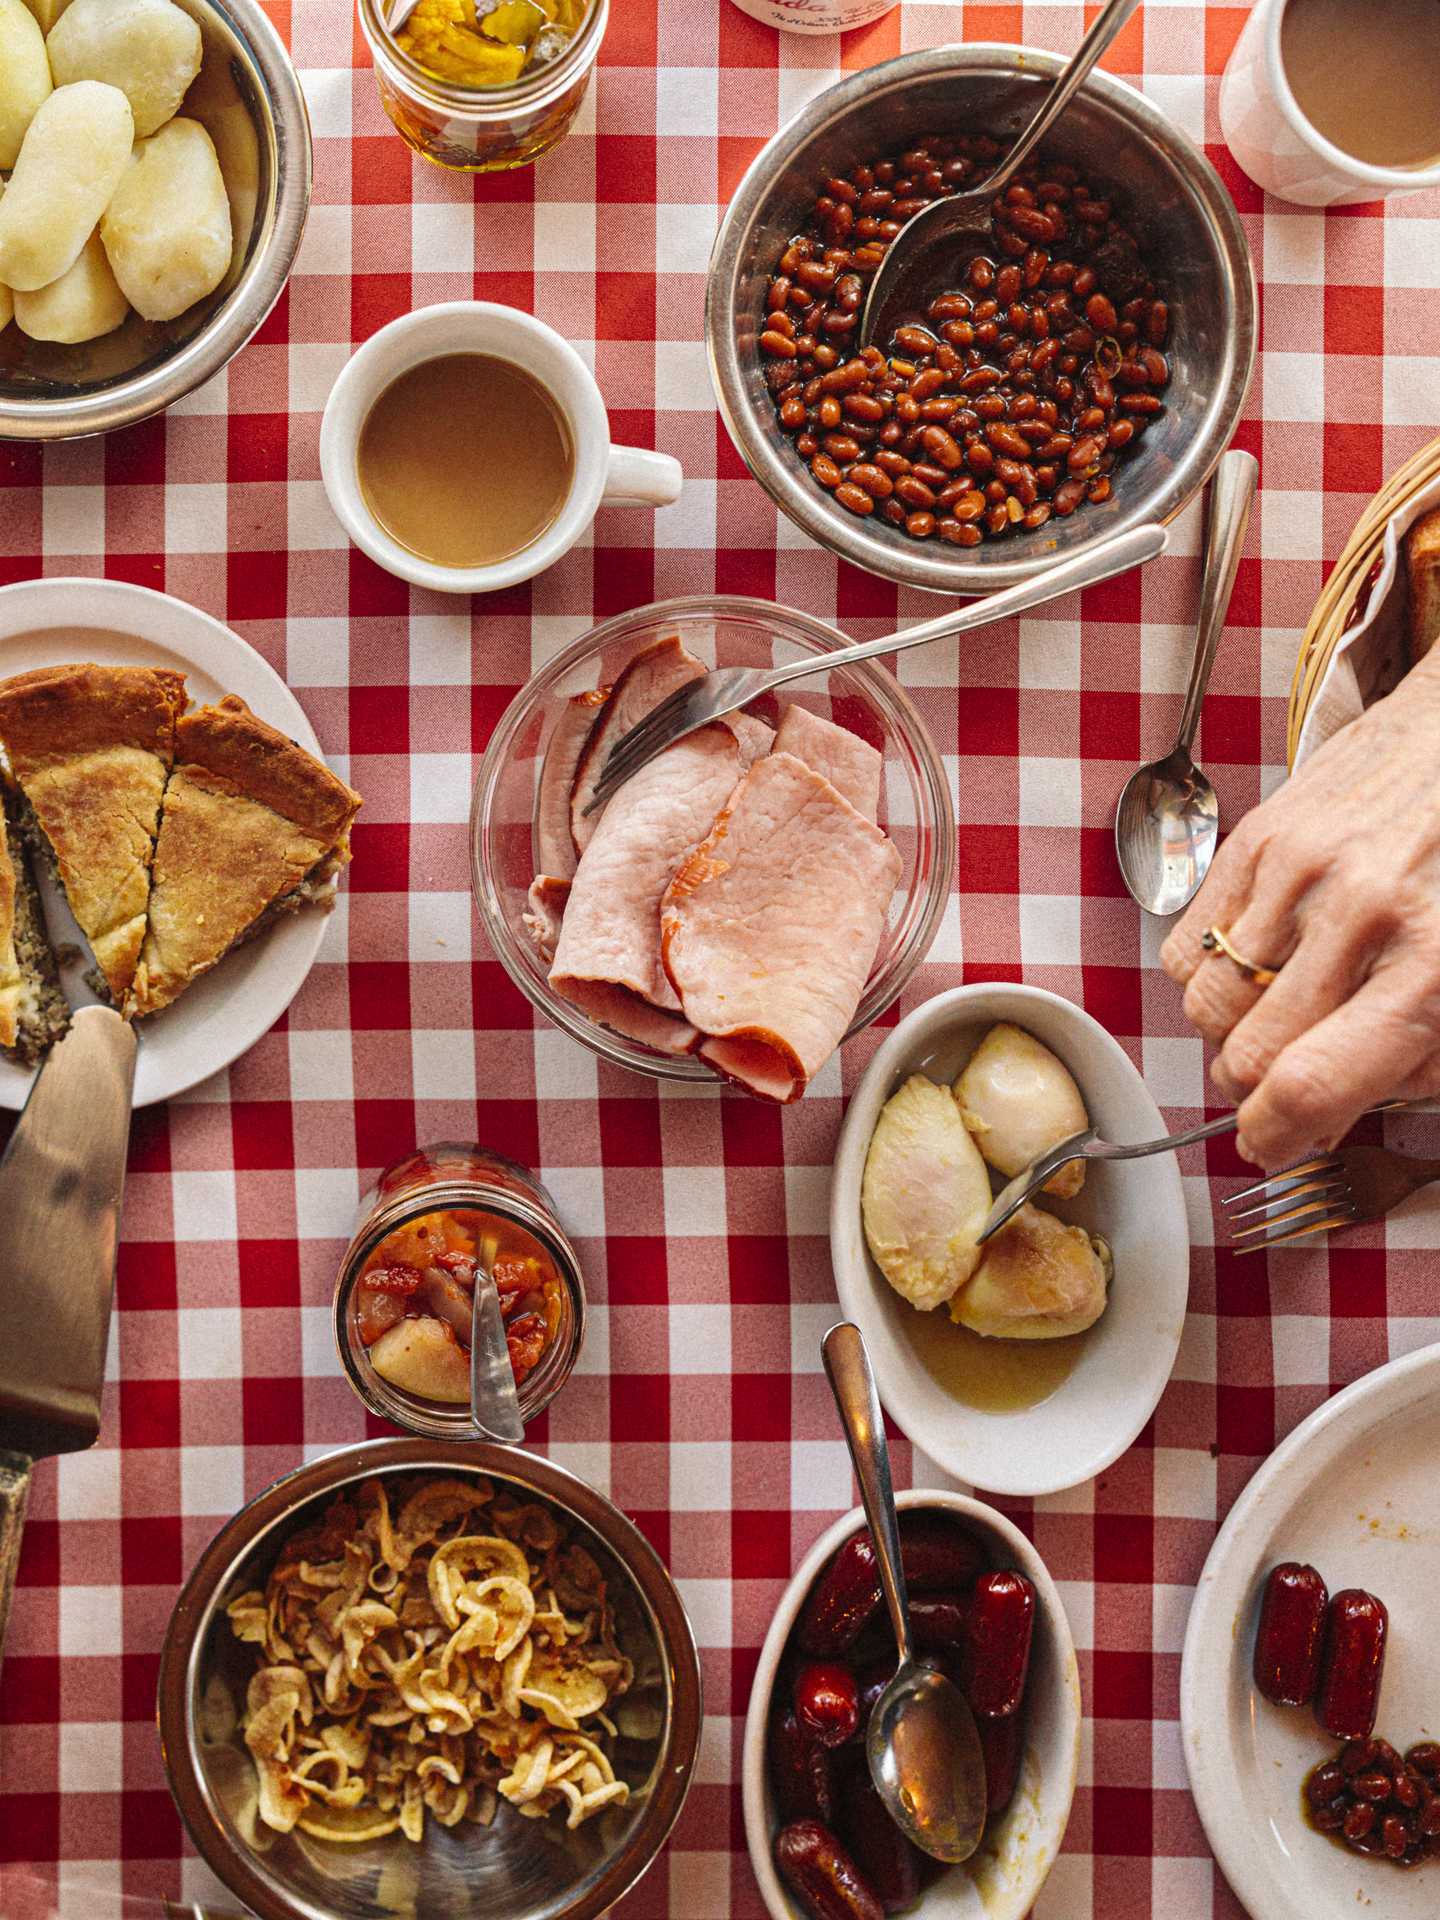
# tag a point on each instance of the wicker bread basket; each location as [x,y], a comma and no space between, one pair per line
[1339,603]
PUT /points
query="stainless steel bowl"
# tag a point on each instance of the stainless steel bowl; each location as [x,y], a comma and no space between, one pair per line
[248,97]
[1172,197]
[523,1869]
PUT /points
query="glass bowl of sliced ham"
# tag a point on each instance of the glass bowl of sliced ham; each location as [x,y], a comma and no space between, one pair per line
[758,893]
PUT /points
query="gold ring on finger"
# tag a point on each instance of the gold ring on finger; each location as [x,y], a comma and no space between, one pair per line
[1214,940]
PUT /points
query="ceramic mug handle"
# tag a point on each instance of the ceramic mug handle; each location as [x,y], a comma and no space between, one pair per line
[636,477]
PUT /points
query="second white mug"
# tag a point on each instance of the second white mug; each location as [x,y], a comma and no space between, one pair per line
[1278,146]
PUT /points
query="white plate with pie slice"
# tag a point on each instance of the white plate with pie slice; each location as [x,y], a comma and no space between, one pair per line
[50,622]
[1353,1492]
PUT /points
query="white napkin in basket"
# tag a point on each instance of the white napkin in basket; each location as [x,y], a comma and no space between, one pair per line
[1373,656]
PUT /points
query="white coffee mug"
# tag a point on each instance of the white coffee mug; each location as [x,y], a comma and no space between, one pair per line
[604,474]
[815,16]
[1274,142]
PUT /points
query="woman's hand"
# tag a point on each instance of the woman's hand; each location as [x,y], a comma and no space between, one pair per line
[1335,881]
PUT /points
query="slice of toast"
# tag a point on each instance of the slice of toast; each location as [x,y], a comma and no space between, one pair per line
[1422,559]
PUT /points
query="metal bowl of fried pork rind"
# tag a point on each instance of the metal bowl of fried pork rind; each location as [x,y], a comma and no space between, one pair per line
[525,1869]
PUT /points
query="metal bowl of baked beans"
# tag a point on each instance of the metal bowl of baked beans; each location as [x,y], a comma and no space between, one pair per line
[1082,375]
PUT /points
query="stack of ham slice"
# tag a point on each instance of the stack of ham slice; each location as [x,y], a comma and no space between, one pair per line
[730,899]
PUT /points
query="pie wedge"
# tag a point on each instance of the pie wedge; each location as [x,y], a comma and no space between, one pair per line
[90,749]
[253,826]
[33,1009]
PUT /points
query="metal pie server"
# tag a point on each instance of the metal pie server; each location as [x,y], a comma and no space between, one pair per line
[61,1181]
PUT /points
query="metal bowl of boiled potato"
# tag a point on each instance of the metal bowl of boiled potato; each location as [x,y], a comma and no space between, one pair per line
[1028,1363]
[419,1677]
[156,161]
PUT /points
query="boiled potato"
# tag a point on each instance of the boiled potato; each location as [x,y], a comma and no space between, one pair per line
[47,12]
[424,1358]
[167,230]
[925,1194]
[70,164]
[7,299]
[1038,1279]
[24,76]
[150,49]
[1019,1101]
[81,305]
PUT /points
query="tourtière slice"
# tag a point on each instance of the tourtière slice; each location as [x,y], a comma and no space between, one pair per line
[253,826]
[90,749]
[33,1010]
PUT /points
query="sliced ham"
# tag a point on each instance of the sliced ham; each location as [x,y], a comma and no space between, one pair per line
[546,910]
[554,844]
[608,952]
[850,764]
[770,927]
[652,676]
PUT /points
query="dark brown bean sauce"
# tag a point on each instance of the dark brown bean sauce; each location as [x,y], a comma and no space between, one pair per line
[1375,1801]
[1007,400]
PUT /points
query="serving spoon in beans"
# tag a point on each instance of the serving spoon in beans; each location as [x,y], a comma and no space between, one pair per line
[964,222]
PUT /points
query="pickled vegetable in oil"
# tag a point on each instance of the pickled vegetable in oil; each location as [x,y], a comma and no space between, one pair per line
[489,43]
[465,460]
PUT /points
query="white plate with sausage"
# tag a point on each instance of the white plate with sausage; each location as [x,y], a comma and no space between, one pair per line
[1352,1492]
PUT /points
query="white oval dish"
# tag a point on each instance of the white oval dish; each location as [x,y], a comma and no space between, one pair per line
[1139,1207]
[1012,1867]
[46,623]
[1352,1491]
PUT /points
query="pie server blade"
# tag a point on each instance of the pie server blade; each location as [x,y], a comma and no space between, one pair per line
[61,1181]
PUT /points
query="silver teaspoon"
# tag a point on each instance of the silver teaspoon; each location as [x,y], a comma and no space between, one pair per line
[1168,820]
[964,221]
[494,1403]
[921,1743]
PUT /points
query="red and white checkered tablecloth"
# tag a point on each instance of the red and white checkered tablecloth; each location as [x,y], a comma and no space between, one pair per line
[699,1404]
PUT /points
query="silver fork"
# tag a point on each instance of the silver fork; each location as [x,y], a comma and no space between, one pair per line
[1089,1146]
[727,689]
[1334,1190]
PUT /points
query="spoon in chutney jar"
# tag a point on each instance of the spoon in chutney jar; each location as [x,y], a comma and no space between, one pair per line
[921,1741]
[963,223]
[494,1401]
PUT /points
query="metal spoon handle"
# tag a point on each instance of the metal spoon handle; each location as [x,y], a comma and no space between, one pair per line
[494,1404]
[1232,493]
[1117,554]
[1106,27]
[853,1385]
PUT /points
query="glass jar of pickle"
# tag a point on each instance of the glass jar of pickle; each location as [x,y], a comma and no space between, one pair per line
[430,1230]
[480,101]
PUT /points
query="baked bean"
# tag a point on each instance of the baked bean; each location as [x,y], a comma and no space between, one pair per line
[863,406]
[1015,396]
[876,482]
[943,448]
[854,498]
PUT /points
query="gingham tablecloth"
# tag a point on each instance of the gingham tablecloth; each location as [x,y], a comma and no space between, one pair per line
[698,1404]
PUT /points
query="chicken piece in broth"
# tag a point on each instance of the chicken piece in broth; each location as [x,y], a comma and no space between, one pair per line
[1019,1100]
[925,1194]
[1039,1279]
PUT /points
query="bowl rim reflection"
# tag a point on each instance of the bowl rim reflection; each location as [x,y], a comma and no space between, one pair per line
[282,125]
[749,420]
[902,721]
[275,1509]
[756,1794]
